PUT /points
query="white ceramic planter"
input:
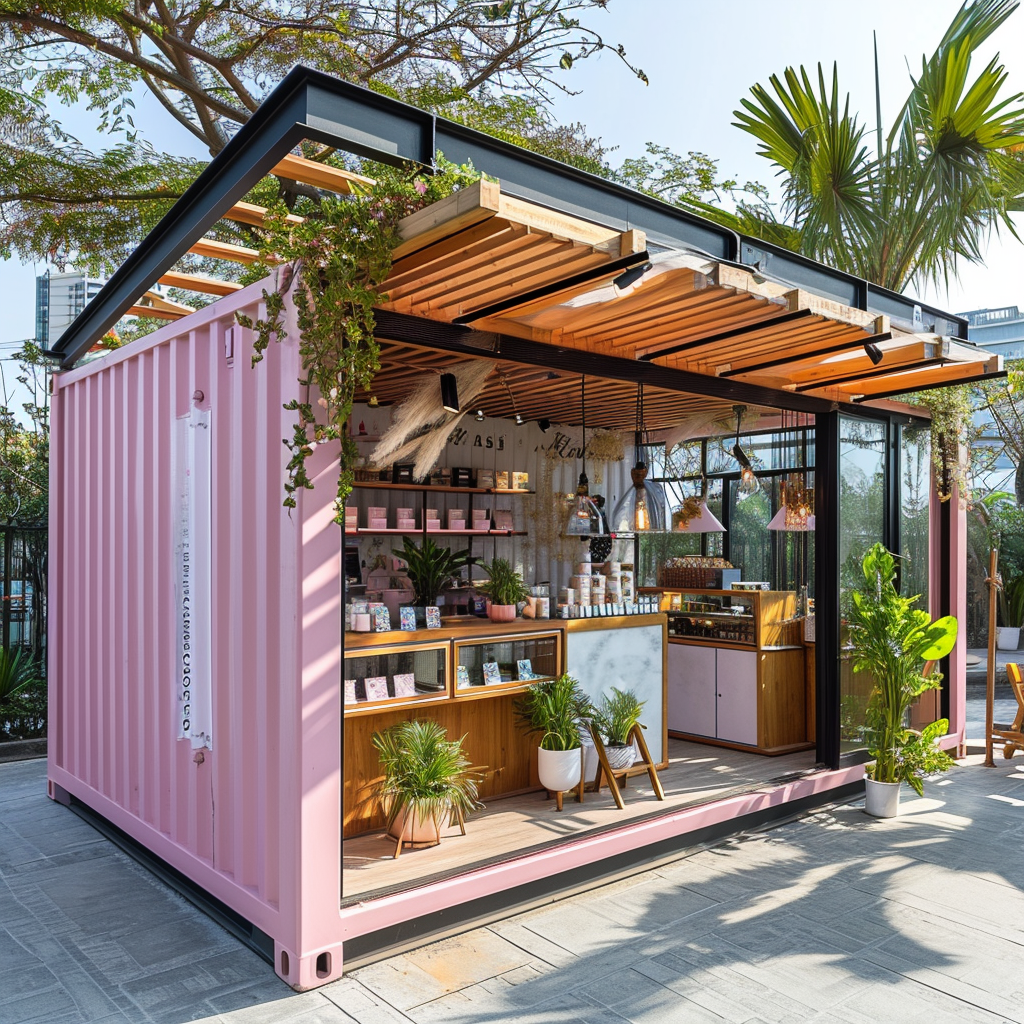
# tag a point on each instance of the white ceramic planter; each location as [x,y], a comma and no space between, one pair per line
[419,829]
[1007,637]
[559,770]
[590,758]
[881,799]
[621,757]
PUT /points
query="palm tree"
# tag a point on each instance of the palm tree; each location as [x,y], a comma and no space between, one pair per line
[948,173]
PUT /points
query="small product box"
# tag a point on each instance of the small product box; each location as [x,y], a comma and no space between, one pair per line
[501,479]
[480,523]
[503,519]
[405,524]
[433,519]
[377,517]
[404,513]
[377,524]
[520,481]
[456,520]
[462,476]
[485,478]
[401,473]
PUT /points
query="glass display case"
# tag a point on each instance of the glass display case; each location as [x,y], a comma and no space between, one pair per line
[505,662]
[393,676]
[727,615]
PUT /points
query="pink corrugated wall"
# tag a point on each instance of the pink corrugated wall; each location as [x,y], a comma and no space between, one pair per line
[251,822]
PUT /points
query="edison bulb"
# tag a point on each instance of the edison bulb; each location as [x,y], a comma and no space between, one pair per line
[643,518]
[748,483]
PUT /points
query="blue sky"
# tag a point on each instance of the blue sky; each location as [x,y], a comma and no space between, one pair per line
[702,59]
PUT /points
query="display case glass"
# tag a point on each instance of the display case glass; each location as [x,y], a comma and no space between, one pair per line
[393,676]
[728,616]
[505,662]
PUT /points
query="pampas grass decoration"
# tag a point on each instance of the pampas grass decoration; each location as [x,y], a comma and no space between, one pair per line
[421,424]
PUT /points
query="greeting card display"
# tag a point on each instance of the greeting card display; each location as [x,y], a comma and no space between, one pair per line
[350,691]
[408,617]
[381,619]
[492,673]
[525,669]
[405,685]
[433,617]
[462,676]
[376,687]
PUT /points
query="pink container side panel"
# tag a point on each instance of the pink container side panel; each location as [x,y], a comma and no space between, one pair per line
[230,816]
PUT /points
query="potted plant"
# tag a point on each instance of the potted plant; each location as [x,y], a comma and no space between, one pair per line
[430,568]
[1011,614]
[618,712]
[892,640]
[504,589]
[556,708]
[427,778]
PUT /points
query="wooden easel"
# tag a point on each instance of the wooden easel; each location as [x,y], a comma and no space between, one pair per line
[645,764]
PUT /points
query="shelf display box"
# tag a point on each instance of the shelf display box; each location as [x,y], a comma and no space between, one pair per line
[456,519]
[485,478]
[462,476]
[501,479]
[520,481]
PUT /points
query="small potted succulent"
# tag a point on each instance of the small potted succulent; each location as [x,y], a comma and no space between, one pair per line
[427,778]
[614,719]
[556,708]
[893,640]
[504,589]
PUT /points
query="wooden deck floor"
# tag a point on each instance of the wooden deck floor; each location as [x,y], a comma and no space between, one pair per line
[513,826]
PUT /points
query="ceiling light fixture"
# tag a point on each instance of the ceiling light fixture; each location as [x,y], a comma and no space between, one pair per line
[873,352]
[642,508]
[630,277]
[544,424]
[748,481]
[585,518]
[449,392]
[479,417]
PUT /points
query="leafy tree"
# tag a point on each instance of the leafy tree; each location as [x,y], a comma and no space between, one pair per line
[210,64]
[947,172]
[25,441]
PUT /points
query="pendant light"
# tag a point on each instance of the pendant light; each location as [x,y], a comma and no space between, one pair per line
[584,516]
[694,516]
[642,508]
[748,481]
[796,512]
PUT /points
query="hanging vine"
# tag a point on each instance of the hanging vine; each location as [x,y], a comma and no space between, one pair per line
[952,438]
[333,263]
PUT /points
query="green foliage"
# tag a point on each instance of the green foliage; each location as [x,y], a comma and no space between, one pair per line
[948,172]
[425,774]
[18,671]
[334,264]
[430,567]
[1011,602]
[210,65]
[503,584]
[555,708]
[618,712]
[891,639]
[23,715]
[25,442]
[953,435]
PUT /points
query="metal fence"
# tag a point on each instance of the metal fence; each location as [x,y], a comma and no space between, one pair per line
[23,553]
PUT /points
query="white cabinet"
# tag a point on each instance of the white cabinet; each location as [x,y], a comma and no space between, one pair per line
[691,689]
[737,696]
[712,691]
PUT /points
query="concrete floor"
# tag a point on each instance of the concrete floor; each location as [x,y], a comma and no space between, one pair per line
[833,918]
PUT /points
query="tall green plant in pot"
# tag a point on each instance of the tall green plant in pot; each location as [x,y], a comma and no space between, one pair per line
[504,588]
[615,719]
[430,570]
[427,778]
[892,640]
[556,709]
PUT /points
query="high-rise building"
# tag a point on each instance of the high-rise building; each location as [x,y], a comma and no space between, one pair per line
[59,299]
[999,330]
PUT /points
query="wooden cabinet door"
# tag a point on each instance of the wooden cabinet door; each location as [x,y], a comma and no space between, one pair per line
[691,689]
[737,696]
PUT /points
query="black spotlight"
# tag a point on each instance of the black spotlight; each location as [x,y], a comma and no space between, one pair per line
[631,276]
[519,419]
[449,392]
[479,417]
[873,352]
[544,424]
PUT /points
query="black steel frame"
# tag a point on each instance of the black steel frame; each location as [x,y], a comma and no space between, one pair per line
[310,105]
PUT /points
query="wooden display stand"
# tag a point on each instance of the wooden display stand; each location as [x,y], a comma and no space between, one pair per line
[645,764]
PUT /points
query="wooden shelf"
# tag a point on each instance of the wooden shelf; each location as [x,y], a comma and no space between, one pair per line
[385,485]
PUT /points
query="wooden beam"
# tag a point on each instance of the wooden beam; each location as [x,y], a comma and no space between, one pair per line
[311,172]
[198,283]
[160,314]
[224,251]
[250,213]
[161,302]
[460,210]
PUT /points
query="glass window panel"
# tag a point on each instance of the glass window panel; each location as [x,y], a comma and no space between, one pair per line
[915,498]
[749,536]
[406,675]
[506,662]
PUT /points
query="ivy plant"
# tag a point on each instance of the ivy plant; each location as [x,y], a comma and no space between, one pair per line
[333,264]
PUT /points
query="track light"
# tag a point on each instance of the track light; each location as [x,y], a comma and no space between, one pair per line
[873,352]
[544,425]
[519,420]
[479,417]
[449,392]
[631,276]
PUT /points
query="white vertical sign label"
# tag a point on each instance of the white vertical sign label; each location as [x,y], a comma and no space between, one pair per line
[193,605]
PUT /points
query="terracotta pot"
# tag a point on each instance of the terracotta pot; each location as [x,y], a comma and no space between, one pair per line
[501,612]
[420,828]
[881,799]
[559,770]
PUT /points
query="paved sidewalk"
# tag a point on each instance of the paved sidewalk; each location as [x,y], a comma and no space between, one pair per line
[833,918]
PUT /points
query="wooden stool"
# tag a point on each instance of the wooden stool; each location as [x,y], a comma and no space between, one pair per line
[645,764]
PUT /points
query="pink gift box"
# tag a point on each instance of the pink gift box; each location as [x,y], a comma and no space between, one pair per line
[378,524]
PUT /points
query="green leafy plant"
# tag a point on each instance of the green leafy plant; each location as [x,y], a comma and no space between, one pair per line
[892,639]
[425,774]
[503,584]
[555,708]
[616,715]
[1011,602]
[18,671]
[430,567]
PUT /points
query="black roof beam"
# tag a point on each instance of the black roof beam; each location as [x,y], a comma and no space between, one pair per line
[831,350]
[736,332]
[977,379]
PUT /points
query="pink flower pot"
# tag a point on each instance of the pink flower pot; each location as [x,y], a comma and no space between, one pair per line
[501,612]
